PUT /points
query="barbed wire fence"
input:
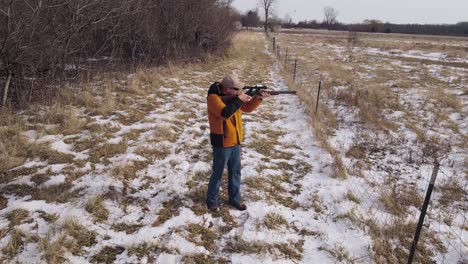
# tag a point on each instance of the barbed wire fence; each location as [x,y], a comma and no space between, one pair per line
[442,227]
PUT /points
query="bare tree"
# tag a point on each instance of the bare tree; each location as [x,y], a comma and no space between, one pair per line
[330,14]
[374,25]
[251,19]
[267,6]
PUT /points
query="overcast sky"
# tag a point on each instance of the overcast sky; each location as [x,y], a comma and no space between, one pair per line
[354,11]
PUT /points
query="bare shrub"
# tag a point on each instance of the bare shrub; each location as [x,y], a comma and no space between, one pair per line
[49,42]
[354,38]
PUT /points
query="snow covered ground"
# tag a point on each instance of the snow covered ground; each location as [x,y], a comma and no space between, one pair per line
[392,106]
[133,191]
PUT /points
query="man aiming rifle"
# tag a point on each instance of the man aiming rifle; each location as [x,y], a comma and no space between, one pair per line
[226,103]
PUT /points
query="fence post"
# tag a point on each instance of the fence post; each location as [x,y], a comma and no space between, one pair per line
[295,68]
[286,58]
[318,96]
[423,211]
[274,44]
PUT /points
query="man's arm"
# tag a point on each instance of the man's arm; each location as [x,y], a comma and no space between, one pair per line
[225,110]
[255,102]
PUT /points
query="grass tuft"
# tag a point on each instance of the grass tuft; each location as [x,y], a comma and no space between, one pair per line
[96,207]
[170,209]
[203,259]
[17,216]
[108,254]
[15,243]
[274,221]
[107,151]
[202,236]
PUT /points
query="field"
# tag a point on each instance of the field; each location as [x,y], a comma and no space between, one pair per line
[391,107]
[116,171]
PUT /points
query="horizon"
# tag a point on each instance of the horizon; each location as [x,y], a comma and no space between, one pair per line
[414,12]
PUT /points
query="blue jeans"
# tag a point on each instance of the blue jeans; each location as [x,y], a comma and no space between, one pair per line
[221,157]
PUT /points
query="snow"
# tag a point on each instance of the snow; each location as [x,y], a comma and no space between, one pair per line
[166,179]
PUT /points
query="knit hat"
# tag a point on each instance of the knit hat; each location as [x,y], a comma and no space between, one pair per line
[231,81]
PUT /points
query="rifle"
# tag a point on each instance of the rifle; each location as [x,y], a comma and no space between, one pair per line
[256,90]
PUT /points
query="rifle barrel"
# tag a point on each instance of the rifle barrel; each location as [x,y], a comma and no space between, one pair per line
[280,92]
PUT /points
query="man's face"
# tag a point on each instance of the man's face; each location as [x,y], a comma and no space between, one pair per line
[231,91]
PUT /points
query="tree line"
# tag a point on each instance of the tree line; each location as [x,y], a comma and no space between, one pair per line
[47,41]
[252,19]
[373,26]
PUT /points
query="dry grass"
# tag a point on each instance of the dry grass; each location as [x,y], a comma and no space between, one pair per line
[339,170]
[262,145]
[18,189]
[106,130]
[107,104]
[15,243]
[82,236]
[350,196]
[88,101]
[443,99]
[144,250]
[391,243]
[452,191]
[3,202]
[13,145]
[274,221]
[164,133]
[49,218]
[202,236]
[59,193]
[397,200]
[130,117]
[127,228]
[204,259]
[53,251]
[357,151]
[107,254]
[45,153]
[159,152]
[128,171]
[339,252]
[96,207]
[289,250]
[70,123]
[170,209]
[272,188]
[17,216]
[238,245]
[107,150]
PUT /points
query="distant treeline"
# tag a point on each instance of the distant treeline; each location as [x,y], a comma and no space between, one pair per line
[46,41]
[459,29]
[252,19]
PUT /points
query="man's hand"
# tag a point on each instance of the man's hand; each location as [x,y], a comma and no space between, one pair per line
[244,97]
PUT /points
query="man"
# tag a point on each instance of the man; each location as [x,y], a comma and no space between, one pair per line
[226,102]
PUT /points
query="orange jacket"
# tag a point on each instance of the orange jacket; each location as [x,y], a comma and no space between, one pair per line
[226,120]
